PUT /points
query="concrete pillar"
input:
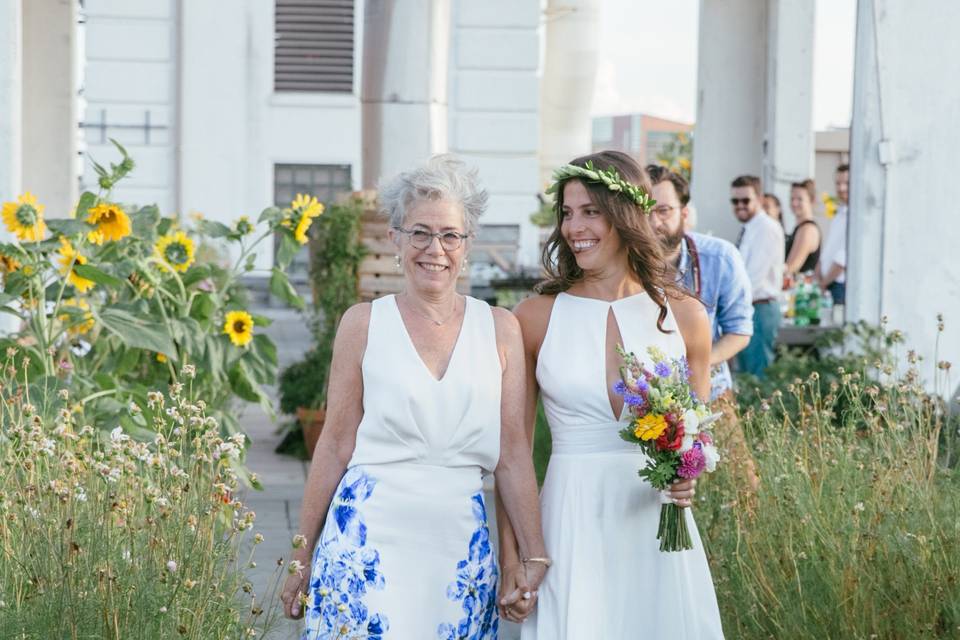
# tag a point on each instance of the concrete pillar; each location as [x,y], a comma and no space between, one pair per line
[566,91]
[902,237]
[50,109]
[11,75]
[404,93]
[789,142]
[10,123]
[731,106]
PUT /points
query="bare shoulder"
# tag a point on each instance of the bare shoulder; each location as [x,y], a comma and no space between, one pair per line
[691,315]
[352,332]
[534,312]
[505,322]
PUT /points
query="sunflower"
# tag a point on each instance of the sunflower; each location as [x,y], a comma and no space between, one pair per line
[69,258]
[85,324]
[8,264]
[305,209]
[176,250]
[243,226]
[650,426]
[25,218]
[111,221]
[239,326]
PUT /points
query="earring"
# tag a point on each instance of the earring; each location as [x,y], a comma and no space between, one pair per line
[396,260]
[463,267]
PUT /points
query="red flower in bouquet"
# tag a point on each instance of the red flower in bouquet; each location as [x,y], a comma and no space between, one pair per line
[672,436]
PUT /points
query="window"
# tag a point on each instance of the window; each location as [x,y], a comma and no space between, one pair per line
[314,45]
[325,181]
[494,252]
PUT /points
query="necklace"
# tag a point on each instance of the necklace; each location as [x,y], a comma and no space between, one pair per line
[438,323]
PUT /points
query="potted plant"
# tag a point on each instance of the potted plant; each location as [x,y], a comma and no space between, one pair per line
[336,251]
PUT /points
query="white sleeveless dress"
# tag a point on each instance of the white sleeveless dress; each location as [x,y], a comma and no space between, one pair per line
[609,579]
[405,550]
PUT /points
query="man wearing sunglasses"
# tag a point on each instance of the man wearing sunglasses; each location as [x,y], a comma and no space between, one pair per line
[762,246]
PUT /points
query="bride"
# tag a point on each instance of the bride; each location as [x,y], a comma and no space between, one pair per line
[608,285]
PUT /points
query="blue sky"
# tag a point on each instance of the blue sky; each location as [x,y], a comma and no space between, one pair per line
[662,41]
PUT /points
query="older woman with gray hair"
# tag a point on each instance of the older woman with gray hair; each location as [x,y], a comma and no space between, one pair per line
[425,396]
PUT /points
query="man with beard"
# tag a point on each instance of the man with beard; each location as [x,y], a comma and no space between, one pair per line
[713,269]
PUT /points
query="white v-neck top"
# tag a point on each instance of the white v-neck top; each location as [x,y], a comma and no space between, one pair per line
[572,373]
[410,416]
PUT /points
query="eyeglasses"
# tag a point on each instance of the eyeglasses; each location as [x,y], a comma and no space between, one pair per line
[421,238]
[736,201]
[663,210]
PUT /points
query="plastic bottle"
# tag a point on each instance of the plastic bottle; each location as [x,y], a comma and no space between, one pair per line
[826,307]
[813,301]
[800,297]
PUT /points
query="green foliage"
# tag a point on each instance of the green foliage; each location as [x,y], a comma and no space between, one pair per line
[135,534]
[677,155]
[111,306]
[336,251]
[854,531]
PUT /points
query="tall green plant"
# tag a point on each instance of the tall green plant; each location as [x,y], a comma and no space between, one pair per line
[336,252]
[113,302]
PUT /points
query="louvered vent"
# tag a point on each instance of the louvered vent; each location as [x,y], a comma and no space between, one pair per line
[314,45]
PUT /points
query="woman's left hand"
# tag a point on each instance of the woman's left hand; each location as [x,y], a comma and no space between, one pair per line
[518,591]
[682,492]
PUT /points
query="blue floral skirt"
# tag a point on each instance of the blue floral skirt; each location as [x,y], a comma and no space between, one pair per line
[404,553]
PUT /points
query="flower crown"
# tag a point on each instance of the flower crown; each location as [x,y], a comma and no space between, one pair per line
[609,177]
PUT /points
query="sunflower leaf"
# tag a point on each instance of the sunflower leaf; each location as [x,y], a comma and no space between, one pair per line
[280,286]
[87,200]
[270,214]
[68,226]
[214,229]
[144,221]
[288,249]
[137,332]
[98,276]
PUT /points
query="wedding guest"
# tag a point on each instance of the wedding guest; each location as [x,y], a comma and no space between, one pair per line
[803,245]
[771,204]
[426,395]
[761,244]
[831,271]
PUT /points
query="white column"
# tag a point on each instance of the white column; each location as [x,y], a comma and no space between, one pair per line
[731,106]
[50,109]
[902,240]
[566,91]
[404,80]
[10,122]
[789,153]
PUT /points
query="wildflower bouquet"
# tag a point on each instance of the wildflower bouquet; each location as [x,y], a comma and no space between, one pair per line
[667,421]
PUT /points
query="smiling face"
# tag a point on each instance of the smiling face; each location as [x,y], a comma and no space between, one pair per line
[745,202]
[587,231]
[800,203]
[433,269]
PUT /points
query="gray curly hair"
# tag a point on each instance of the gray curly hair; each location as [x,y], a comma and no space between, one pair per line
[443,177]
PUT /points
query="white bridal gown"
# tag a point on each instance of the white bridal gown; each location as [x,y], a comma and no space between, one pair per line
[609,580]
[405,552]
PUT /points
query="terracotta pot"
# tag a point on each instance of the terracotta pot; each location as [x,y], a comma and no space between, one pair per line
[311,421]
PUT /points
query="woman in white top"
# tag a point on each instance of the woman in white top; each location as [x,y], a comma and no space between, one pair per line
[425,396]
[609,284]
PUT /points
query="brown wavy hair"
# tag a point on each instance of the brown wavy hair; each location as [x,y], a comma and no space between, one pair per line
[632,226]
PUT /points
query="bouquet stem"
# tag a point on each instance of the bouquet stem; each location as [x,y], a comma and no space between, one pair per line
[673,533]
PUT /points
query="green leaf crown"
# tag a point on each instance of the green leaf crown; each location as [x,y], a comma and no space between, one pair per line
[610,177]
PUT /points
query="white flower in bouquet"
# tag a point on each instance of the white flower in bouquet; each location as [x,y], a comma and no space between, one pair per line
[712,457]
[687,443]
[691,422]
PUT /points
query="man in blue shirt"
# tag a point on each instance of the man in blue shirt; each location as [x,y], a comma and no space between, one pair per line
[712,269]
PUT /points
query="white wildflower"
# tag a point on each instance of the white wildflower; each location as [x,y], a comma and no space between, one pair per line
[172,566]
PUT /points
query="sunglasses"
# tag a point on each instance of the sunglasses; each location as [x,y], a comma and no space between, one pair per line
[736,201]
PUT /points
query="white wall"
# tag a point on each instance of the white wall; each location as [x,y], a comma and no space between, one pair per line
[903,237]
[11,75]
[50,104]
[731,99]
[494,107]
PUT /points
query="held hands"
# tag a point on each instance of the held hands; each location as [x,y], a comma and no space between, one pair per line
[518,589]
[681,492]
[295,588]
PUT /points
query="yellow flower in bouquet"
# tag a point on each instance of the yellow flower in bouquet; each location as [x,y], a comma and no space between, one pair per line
[111,221]
[650,426]
[239,326]
[176,250]
[25,218]
[69,259]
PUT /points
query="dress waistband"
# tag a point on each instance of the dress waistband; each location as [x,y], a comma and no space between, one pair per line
[603,437]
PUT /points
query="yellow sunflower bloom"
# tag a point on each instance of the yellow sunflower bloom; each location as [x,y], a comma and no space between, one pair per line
[239,326]
[650,426]
[8,264]
[307,208]
[25,218]
[69,258]
[112,223]
[829,205]
[176,250]
[83,326]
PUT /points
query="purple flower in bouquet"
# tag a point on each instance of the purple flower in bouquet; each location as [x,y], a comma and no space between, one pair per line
[633,399]
[662,369]
[692,462]
[620,388]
